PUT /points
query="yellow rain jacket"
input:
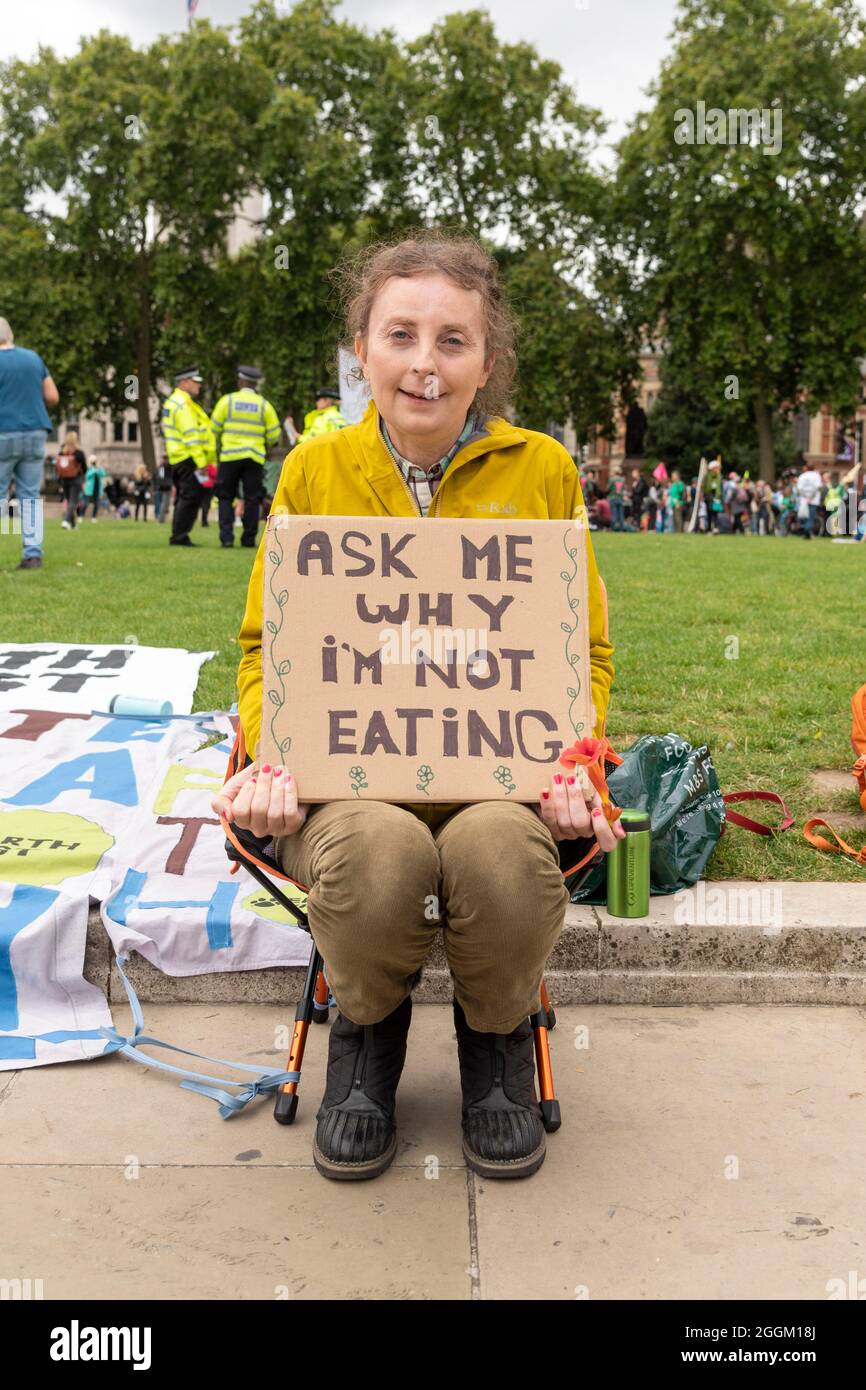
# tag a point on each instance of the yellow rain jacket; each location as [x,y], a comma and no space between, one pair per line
[511,472]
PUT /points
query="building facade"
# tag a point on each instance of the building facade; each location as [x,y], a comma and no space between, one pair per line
[824,441]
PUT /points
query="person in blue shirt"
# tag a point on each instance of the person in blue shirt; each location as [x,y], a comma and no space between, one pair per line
[26,388]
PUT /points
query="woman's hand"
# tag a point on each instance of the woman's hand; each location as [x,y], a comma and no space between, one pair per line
[263,800]
[572,813]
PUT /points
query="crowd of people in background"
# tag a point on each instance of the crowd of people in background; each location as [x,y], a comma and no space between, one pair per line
[230,454]
[85,486]
[803,502]
[89,489]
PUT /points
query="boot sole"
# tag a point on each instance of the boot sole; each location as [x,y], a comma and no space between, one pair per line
[506,1167]
[354,1172]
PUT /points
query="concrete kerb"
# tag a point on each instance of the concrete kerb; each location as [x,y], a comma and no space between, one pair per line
[728,941]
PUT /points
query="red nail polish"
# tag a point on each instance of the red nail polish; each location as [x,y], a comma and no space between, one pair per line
[545,795]
[558,779]
[254,779]
[570,781]
[278,772]
[596,812]
[266,768]
[288,777]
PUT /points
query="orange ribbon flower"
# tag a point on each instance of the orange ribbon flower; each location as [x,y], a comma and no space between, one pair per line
[591,754]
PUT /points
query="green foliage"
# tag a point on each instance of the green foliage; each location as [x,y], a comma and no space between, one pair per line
[570,358]
[751,262]
[121,169]
[681,428]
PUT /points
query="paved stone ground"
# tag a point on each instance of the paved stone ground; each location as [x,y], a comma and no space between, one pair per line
[707,1151]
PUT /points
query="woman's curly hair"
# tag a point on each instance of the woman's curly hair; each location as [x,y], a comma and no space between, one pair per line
[464,260]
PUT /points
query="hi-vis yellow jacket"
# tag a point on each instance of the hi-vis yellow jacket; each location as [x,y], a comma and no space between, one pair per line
[186,430]
[245,425]
[318,422]
[510,472]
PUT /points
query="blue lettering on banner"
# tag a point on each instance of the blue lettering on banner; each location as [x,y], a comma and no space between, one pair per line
[219,906]
[113,780]
[26,904]
[130,731]
[22,1048]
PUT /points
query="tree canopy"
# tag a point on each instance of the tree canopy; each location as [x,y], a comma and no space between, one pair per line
[730,226]
[742,232]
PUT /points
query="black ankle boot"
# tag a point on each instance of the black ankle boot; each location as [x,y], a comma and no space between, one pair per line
[503,1132]
[356,1136]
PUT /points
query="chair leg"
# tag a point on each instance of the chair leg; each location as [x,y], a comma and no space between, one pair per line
[286,1101]
[545,1004]
[550,1112]
[321,1000]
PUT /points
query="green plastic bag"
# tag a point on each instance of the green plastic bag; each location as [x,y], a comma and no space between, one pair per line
[677,784]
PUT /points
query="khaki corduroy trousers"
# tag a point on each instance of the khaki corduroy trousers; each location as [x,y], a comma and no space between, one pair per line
[382,884]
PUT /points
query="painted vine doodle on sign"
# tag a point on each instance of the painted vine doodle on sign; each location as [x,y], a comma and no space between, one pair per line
[444,660]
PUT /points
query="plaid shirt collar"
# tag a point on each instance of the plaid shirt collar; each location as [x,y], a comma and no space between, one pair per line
[435,472]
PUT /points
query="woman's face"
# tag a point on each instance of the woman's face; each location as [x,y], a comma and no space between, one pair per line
[424,356]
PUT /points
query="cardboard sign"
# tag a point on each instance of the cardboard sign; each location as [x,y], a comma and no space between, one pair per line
[407,659]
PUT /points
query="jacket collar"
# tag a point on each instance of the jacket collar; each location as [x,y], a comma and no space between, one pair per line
[382,473]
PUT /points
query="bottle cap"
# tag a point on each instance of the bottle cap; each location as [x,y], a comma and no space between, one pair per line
[632,821]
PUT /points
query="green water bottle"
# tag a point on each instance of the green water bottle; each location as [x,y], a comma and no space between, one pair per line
[628,867]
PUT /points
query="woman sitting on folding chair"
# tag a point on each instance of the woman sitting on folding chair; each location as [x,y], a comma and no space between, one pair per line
[435,343]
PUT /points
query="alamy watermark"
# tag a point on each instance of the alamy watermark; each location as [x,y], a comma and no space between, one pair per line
[15,1290]
[26,515]
[739,125]
[409,646]
[711,905]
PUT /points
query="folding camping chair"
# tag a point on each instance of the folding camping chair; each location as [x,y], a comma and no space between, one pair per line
[246,849]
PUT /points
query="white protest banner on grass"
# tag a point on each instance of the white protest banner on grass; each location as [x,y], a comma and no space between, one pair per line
[45,1003]
[177,902]
[116,808]
[84,677]
[70,784]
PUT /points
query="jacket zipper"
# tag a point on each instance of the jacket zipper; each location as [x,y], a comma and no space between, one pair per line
[417,510]
[412,498]
[433,505]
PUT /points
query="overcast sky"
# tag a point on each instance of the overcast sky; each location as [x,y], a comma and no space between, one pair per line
[608,49]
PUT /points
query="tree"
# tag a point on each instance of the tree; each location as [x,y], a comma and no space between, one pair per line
[681,429]
[364,139]
[126,166]
[737,207]
[121,169]
[570,357]
[330,160]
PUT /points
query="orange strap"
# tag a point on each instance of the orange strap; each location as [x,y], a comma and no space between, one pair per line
[841,846]
[858,772]
[757,826]
[590,854]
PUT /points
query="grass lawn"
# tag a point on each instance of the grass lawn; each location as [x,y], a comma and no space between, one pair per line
[778,710]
